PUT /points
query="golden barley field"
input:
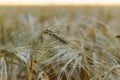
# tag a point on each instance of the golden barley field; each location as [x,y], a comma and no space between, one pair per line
[59,42]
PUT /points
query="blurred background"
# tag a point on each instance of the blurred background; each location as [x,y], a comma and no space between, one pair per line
[64,41]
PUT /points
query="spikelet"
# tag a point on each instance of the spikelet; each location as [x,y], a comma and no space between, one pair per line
[56,37]
[103,29]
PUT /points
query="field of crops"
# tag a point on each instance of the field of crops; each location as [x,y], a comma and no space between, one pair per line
[60,43]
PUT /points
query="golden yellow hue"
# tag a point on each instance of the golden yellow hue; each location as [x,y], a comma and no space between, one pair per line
[58,4]
[59,42]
